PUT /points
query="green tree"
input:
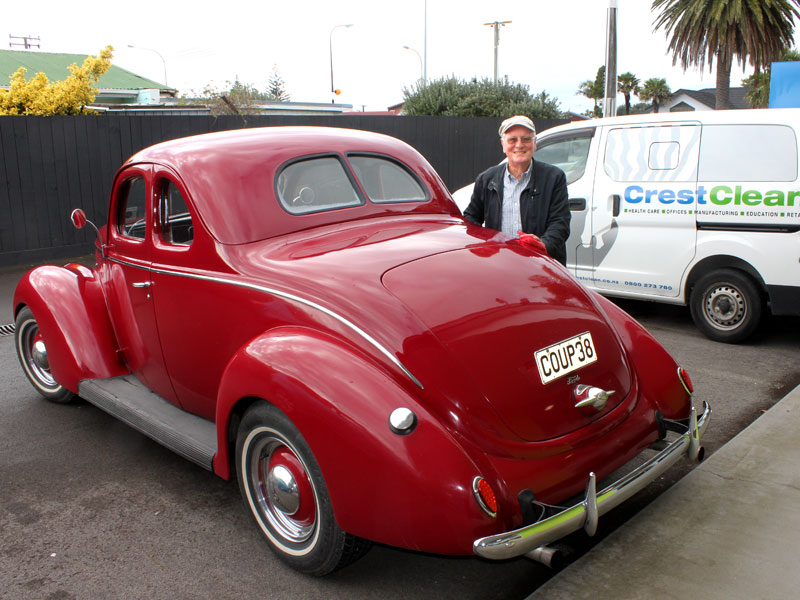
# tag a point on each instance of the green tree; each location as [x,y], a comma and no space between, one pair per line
[237,98]
[754,31]
[275,89]
[450,96]
[70,96]
[595,89]
[627,84]
[758,82]
[656,91]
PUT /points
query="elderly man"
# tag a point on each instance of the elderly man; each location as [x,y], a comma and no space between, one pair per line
[523,197]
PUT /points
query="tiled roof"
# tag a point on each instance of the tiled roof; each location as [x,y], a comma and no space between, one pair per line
[708,96]
[55,66]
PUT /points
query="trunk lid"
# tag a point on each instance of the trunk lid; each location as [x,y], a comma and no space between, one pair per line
[517,324]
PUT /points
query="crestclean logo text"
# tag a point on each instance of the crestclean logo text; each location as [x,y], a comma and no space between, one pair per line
[720,195]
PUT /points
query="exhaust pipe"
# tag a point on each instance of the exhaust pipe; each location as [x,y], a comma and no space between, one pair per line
[549,557]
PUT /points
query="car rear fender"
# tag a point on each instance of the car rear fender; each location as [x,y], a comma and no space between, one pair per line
[656,369]
[412,490]
[71,313]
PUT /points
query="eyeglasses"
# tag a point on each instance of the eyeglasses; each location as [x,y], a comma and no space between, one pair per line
[527,140]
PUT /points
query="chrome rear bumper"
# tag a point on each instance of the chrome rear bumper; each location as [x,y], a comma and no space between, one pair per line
[586,514]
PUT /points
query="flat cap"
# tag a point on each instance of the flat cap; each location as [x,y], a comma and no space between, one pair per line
[517,120]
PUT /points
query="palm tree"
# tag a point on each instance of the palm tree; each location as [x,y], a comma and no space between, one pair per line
[627,84]
[596,90]
[758,82]
[751,30]
[655,90]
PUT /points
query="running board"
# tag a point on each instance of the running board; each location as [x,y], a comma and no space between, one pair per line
[127,399]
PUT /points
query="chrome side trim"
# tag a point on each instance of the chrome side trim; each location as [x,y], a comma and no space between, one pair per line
[286,296]
[585,514]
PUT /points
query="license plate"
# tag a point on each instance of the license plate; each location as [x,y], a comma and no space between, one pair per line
[565,357]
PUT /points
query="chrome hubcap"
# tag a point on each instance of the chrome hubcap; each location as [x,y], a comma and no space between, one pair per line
[39,355]
[33,349]
[284,494]
[282,490]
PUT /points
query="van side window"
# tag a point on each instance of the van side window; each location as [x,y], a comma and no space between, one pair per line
[658,153]
[748,153]
[568,153]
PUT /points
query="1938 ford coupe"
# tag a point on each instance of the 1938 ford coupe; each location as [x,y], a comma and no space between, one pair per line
[306,309]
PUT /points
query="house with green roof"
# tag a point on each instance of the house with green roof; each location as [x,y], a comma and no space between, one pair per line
[118,88]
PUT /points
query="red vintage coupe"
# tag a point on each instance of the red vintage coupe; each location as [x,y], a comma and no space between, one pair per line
[305,309]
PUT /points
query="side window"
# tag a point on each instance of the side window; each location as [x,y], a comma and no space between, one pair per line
[315,185]
[176,221]
[567,153]
[386,181]
[652,153]
[132,208]
[748,153]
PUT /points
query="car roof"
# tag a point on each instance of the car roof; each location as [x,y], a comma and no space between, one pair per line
[230,175]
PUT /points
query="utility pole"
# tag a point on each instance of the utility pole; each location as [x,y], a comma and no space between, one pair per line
[610,101]
[26,41]
[496,26]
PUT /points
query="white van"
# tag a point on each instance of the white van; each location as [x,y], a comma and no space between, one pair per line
[697,208]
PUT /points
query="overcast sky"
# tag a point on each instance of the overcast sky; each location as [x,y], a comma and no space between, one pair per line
[549,45]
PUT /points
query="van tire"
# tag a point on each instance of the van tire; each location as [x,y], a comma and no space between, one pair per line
[726,305]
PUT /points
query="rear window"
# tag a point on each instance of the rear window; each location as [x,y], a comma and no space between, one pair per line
[325,183]
[386,181]
[314,185]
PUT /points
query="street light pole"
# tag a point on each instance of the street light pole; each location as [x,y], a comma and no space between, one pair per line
[330,49]
[159,56]
[496,26]
[421,71]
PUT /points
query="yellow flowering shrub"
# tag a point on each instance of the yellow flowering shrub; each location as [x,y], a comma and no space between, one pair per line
[38,96]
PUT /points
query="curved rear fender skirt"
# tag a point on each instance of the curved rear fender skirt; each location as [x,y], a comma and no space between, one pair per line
[70,309]
[412,491]
[656,370]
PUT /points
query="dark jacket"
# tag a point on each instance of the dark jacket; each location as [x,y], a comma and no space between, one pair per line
[544,205]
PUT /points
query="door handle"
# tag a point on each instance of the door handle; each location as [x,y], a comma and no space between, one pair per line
[616,200]
[142,284]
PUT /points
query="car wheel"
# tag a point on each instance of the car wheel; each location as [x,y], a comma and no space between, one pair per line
[283,487]
[32,354]
[726,305]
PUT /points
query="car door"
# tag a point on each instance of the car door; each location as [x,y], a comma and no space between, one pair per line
[128,279]
[644,208]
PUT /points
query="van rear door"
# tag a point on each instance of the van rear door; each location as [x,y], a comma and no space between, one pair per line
[643,208]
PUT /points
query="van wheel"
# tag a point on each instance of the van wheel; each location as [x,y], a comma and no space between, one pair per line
[726,306]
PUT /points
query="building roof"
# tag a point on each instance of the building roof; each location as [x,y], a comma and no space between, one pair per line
[56,67]
[708,96]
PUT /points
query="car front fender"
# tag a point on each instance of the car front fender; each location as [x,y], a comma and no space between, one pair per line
[411,490]
[71,313]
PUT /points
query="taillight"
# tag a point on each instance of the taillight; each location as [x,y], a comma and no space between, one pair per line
[686,381]
[485,496]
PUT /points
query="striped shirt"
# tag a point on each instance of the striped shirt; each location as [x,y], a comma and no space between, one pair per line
[512,190]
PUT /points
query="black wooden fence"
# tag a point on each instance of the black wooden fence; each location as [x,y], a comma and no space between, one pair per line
[50,165]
